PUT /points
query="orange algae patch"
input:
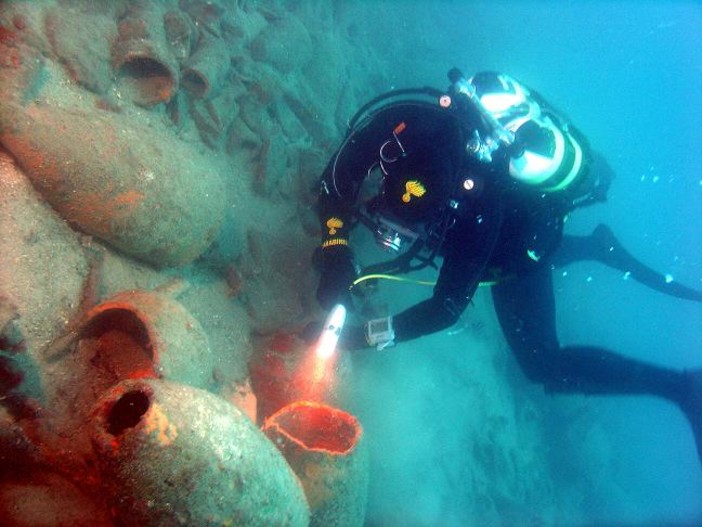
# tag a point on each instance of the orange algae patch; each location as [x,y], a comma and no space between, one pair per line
[130,197]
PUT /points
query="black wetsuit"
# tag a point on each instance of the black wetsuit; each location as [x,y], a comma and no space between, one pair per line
[500,230]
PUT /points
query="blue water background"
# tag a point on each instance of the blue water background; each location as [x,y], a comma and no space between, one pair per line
[629,74]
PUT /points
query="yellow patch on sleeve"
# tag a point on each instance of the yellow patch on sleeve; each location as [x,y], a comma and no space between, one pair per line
[413,188]
[333,224]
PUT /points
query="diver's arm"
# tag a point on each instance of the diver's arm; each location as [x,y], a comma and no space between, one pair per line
[468,248]
[429,316]
[603,246]
[334,209]
[338,191]
[337,195]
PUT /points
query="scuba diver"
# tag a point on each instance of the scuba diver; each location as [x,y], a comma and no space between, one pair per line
[483,176]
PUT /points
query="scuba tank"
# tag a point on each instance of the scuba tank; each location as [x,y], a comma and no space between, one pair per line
[547,153]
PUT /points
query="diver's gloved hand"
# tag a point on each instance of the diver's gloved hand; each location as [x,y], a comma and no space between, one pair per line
[377,333]
[338,273]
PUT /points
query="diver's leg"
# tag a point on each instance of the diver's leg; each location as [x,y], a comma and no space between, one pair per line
[526,311]
[602,246]
[692,406]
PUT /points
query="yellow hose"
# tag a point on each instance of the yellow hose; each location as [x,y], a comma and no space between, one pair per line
[390,277]
[401,279]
